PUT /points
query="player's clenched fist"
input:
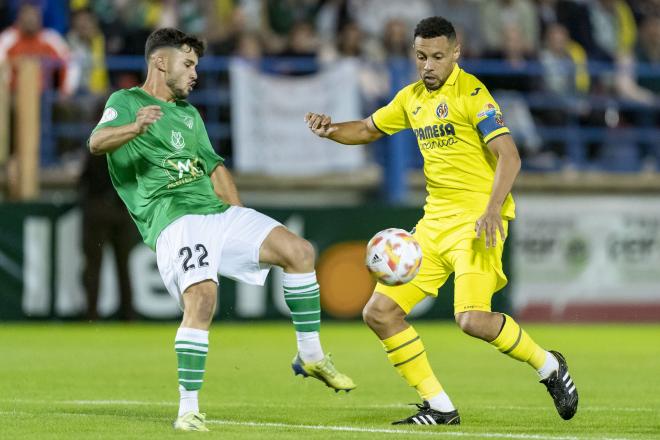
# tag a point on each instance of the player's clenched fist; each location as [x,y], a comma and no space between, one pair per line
[147,116]
[319,124]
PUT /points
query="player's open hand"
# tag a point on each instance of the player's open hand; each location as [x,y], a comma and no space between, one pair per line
[147,116]
[319,124]
[488,224]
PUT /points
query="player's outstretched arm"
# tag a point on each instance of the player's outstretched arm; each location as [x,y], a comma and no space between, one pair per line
[349,133]
[508,166]
[224,186]
[108,139]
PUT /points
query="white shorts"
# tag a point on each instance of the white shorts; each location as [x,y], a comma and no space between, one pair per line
[195,248]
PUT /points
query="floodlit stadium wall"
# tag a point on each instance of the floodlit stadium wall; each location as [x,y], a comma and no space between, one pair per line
[569,258]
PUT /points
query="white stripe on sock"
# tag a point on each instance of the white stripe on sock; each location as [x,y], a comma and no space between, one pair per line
[304,297]
[192,335]
[178,345]
[298,279]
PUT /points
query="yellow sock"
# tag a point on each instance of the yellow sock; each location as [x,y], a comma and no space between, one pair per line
[515,342]
[408,356]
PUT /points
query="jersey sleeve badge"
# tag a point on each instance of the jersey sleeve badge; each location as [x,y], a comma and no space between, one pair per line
[109,114]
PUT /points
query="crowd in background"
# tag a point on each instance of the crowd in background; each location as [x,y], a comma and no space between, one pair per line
[567,39]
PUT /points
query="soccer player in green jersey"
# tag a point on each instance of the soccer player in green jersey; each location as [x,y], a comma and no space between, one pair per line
[187,208]
[470,164]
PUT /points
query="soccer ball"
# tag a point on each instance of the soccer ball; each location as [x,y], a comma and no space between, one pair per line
[393,257]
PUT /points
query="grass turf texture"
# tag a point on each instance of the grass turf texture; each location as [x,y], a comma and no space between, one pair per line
[119,381]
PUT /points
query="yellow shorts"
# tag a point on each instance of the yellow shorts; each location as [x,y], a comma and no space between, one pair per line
[450,245]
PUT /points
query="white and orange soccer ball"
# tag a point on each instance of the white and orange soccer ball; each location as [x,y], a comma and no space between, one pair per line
[393,257]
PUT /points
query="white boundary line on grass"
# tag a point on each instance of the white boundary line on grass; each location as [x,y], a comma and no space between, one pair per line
[397,431]
[331,428]
[309,427]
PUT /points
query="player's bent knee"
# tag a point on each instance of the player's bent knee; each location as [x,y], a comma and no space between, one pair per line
[380,314]
[300,255]
[199,302]
[477,323]
[469,322]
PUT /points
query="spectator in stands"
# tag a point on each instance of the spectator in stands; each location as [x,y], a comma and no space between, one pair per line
[573,15]
[87,45]
[614,29]
[396,39]
[192,16]
[648,51]
[136,18]
[374,77]
[616,15]
[516,61]
[499,17]
[466,23]
[646,8]
[626,85]
[303,46]
[371,14]
[249,48]
[225,26]
[507,88]
[565,78]
[105,221]
[286,20]
[28,38]
[564,63]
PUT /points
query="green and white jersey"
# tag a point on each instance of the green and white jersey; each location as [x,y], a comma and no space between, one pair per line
[162,174]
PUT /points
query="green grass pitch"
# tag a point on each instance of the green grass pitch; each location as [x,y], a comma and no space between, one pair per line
[61,381]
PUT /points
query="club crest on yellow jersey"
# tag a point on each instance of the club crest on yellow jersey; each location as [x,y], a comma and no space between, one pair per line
[442,110]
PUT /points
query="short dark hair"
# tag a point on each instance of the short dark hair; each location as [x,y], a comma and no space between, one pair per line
[432,27]
[170,37]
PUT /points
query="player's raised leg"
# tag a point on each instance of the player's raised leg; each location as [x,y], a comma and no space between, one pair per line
[302,295]
[504,333]
[191,346]
[407,354]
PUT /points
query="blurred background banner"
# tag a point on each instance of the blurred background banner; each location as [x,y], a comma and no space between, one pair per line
[41,267]
[268,128]
[588,257]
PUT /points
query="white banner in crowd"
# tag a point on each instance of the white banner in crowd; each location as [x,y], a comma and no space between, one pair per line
[268,130]
[588,251]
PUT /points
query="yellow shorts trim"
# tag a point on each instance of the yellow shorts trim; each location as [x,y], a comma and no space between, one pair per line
[406,296]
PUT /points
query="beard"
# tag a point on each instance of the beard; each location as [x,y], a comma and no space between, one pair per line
[178,92]
[432,86]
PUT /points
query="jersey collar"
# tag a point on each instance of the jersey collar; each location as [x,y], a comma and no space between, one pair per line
[453,75]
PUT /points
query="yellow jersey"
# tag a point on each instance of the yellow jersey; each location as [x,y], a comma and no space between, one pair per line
[453,125]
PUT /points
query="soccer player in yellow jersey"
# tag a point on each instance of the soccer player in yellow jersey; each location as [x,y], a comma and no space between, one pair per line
[470,164]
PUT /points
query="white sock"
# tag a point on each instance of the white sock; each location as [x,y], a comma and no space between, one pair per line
[549,366]
[441,402]
[188,401]
[309,346]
